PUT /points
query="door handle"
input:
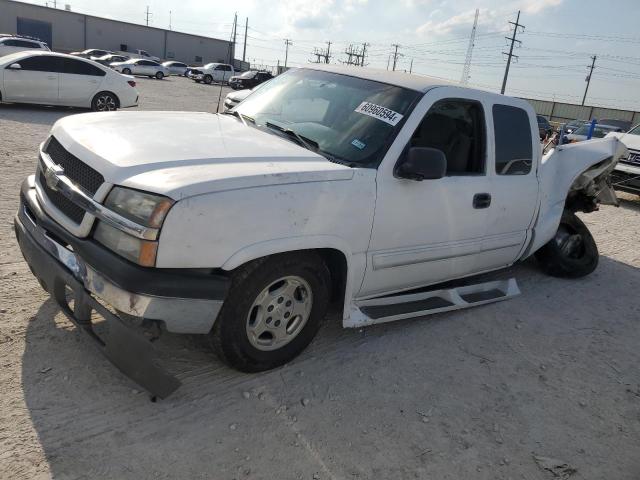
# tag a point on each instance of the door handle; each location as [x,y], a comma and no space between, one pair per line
[481,200]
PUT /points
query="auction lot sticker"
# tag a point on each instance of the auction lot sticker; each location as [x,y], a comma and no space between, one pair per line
[379,112]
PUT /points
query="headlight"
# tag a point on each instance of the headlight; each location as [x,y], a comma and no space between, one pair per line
[142,252]
[144,208]
[141,207]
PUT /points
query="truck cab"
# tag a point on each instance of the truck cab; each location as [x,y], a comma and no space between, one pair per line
[353,188]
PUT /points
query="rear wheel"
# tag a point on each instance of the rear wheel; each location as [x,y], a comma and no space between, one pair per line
[104,102]
[208,79]
[272,312]
[126,71]
[572,252]
[159,75]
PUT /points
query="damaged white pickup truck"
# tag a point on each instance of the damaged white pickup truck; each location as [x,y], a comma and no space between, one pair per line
[351,187]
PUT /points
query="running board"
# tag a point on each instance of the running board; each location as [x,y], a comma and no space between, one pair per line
[397,307]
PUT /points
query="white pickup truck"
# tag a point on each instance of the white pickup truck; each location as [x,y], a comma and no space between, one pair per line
[626,176]
[211,72]
[328,186]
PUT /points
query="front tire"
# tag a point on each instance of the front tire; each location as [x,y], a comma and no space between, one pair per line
[126,71]
[208,79]
[273,311]
[159,75]
[572,252]
[104,102]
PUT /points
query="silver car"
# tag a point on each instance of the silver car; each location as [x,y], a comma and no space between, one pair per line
[141,66]
[581,134]
[176,68]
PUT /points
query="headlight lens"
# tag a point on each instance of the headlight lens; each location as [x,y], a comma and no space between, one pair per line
[142,252]
[141,207]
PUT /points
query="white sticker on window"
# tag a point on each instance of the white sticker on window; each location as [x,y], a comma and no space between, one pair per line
[379,112]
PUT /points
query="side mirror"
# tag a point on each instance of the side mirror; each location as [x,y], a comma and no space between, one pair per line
[15,66]
[422,163]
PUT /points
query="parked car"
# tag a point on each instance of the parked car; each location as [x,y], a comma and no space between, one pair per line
[626,176]
[544,127]
[17,43]
[110,58]
[623,125]
[249,79]
[57,79]
[211,72]
[582,132]
[572,126]
[176,68]
[140,66]
[234,98]
[137,53]
[91,52]
[325,185]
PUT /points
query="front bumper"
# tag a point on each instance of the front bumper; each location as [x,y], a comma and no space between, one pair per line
[626,178]
[59,269]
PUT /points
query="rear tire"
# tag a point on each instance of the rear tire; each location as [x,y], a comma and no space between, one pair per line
[273,310]
[126,71]
[208,79]
[104,102]
[159,75]
[572,252]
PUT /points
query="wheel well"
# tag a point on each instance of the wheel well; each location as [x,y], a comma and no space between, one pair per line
[109,92]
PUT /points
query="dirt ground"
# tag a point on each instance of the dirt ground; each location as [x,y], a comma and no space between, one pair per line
[473,394]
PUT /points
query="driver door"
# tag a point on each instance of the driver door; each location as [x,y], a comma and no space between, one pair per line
[35,82]
[431,231]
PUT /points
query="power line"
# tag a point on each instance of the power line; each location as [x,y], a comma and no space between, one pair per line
[466,71]
[588,79]
[516,25]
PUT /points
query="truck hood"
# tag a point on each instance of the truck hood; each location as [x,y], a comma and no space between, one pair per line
[181,154]
[632,142]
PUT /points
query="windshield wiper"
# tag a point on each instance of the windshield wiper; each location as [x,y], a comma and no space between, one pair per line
[243,118]
[305,142]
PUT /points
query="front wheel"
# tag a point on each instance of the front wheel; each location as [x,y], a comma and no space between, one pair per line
[126,71]
[208,79]
[272,312]
[159,75]
[104,102]
[572,252]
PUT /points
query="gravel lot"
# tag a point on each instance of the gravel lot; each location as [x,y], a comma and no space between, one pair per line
[473,394]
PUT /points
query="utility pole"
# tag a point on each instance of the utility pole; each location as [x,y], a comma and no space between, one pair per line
[516,25]
[466,71]
[246,27]
[395,55]
[411,66]
[364,53]
[147,14]
[169,19]
[388,60]
[287,42]
[231,52]
[328,53]
[588,79]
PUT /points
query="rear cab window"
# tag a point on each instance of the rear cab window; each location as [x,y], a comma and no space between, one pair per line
[513,143]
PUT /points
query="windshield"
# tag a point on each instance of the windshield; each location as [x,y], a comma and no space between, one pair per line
[248,75]
[348,118]
[598,132]
[635,130]
[210,65]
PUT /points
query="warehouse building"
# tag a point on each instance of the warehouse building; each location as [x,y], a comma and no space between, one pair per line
[67,31]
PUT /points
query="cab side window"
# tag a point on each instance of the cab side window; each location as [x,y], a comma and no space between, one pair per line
[457,128]
[512,130]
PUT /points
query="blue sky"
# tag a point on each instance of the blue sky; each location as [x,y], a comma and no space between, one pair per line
[559,38]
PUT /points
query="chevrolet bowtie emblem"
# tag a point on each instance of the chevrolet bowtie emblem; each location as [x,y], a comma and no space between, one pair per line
[51,175]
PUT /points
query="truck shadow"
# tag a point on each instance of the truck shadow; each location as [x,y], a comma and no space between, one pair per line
[92,422]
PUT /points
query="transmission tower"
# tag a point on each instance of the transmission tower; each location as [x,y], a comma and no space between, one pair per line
[355,56]
[466,71]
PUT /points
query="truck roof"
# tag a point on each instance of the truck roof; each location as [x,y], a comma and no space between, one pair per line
[412,81]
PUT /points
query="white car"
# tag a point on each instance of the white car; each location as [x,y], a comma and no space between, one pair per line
[233,98]
[91,52]
[140,66]
[12,44]
[57,79]
[211,72]
[351,187]
[176,68]
[626,176]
